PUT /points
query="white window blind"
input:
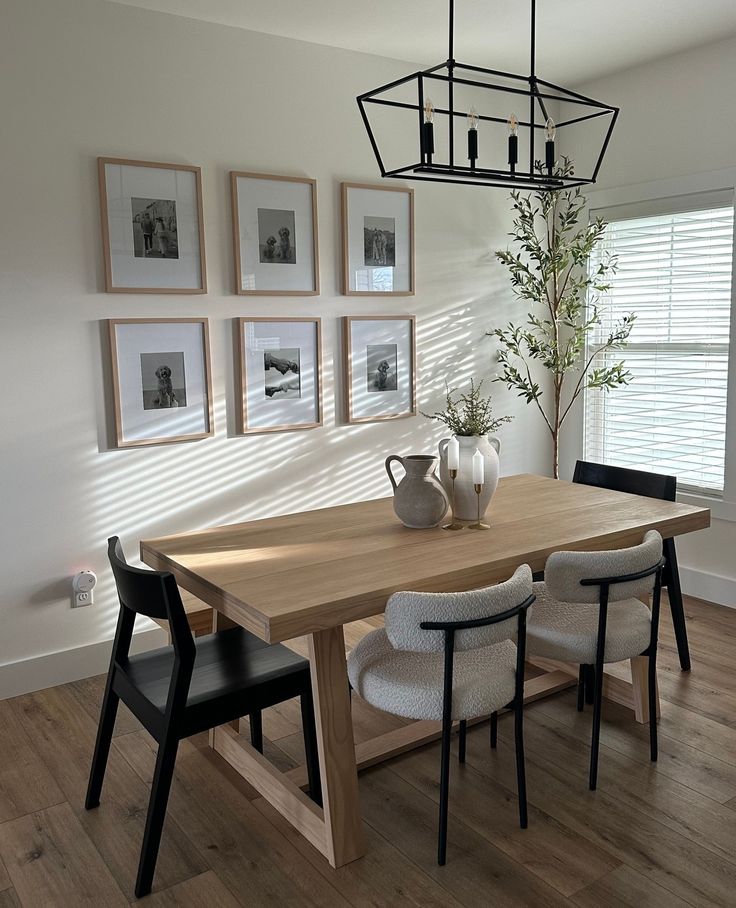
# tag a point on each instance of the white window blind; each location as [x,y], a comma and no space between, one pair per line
[674,271]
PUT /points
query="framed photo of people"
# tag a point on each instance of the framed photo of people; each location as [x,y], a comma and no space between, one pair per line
[152,227]
[161,380]
[280,374]
[377,240]
[275,235]
[380,367]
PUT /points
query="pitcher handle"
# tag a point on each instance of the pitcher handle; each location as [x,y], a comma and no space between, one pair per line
[388,468]
[442,447]
[496,444]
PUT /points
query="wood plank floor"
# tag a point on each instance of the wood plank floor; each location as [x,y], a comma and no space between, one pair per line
[652,835]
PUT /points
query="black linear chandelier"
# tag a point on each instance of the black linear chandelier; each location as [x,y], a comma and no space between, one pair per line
[444,160]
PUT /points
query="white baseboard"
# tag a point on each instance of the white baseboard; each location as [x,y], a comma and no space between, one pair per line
[711,587]
[27,675]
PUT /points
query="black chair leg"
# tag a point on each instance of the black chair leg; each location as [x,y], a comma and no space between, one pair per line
[461,740]
[589,684]
[256,729]
[494,729]
[102,748]
[310,747]
[674,593]
[581,688]
[444,790]
[520,766]
[652,679]
[162,777]
[595,741]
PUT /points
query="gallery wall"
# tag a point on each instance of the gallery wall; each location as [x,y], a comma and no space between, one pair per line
[674,136]
[85,78]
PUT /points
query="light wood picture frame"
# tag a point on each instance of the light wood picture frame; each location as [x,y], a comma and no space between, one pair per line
[149,403]
[261,250]
[375,347]
[380,211]
[170,258]
[279,406]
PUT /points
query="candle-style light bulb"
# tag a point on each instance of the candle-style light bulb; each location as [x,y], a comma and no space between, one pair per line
[428,130]
[513,142]
[549,146]
[472,137]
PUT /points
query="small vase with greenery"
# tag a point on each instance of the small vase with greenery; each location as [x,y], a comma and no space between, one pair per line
[549,273]
[469,416]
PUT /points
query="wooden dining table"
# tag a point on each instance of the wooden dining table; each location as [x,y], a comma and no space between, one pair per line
[309,574]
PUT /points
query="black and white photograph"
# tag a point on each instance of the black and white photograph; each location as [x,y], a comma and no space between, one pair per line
[282,380]
[276,237]
[163,380]
[379,242]
[381,367]
[154,228]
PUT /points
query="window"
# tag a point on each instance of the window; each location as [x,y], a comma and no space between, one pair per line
[674,271]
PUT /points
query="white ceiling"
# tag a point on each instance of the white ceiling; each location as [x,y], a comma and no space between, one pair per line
[577,39]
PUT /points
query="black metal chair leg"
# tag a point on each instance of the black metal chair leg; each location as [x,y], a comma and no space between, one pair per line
[520,766]
[310,747]
[653,744]
[494,729]
[162,777]
[595,741]
[444,790]
[674,593]
[102,748]
[256,729]
[462,734]
[581,688]
[590,684]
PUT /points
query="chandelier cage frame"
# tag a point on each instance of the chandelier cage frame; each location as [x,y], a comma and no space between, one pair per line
[535,90]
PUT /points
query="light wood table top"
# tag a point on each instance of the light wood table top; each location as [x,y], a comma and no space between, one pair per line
[283,577]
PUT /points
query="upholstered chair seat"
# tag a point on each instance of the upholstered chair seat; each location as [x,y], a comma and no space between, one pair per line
[410,684]
[568,631]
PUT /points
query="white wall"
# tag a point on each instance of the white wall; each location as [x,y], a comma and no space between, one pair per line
[677,124]
[85,78]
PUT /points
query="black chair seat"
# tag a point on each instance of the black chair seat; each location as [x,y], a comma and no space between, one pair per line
[228,662]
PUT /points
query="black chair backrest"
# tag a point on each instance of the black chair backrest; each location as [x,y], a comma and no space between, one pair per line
[151,593]
[622,479]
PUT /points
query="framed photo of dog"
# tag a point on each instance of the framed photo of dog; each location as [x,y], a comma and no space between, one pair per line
[274,235]
[152,227]
[380,367]
[279,374]
[161,380]
[377,240]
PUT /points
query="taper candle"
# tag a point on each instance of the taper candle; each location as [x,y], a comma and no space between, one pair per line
[472,136]
[513,142]
[453,454]
[549,146]
[478,466]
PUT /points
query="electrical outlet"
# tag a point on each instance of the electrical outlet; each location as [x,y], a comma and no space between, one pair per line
[82,598]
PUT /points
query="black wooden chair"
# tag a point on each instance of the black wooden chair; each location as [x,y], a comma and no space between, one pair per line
[650,485]
[189,687]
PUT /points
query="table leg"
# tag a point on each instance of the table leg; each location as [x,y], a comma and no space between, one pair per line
[343,824]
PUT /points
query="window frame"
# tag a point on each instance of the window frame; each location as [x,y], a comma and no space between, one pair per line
[722,507]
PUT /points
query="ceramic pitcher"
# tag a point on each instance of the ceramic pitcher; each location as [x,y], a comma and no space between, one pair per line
[419,499]
[466,501]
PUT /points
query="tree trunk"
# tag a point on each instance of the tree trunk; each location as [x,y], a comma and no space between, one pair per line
[556,454]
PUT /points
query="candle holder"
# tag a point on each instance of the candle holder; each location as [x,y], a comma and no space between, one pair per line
[478,486]
[453,525]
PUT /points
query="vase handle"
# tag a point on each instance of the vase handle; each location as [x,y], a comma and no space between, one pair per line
[496,444]
[442,447]
[388,468]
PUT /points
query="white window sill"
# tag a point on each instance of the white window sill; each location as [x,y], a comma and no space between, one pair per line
[719,508]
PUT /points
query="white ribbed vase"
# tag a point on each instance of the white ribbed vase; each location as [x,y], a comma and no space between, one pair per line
[466,501]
